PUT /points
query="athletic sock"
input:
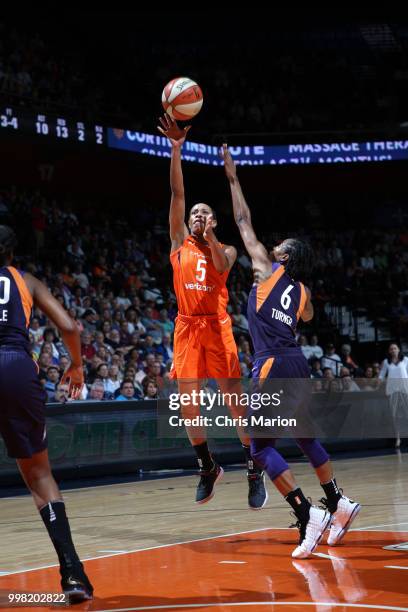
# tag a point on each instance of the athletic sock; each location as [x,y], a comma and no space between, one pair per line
[252,467]
[56,522]
[300,504]
[332,493]
[205,461]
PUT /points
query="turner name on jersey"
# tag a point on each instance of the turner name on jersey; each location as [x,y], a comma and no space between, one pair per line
[282,316]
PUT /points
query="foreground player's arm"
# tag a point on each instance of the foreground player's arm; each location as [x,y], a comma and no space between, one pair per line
[68,328]
[223,256]
[242,216]
[308,311]
[178,229]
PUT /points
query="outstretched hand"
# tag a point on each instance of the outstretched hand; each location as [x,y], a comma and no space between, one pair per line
[174,133]
[229,164]
[74,376]
[208,233]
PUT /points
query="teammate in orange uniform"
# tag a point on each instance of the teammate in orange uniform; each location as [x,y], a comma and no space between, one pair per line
[204,345]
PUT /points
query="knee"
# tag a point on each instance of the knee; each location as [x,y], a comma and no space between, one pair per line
[315,452]
[258,452]
[268,458]
[259,446]
[258,457]
[35,473]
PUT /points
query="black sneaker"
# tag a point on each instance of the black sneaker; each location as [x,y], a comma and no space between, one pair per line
[205,487]
[75,585]
[257,493]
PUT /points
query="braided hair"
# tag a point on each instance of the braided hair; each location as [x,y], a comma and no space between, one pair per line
[8,241]
[300,261]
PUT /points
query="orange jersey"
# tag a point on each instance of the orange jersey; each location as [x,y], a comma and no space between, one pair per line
[200,289]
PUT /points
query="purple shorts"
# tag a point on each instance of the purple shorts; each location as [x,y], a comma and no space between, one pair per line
[281,366]
[22,405]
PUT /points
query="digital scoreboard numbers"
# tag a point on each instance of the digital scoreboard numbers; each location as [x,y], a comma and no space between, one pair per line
[99,134]
[8,119]
[51,127]
[47,126]
[41,125]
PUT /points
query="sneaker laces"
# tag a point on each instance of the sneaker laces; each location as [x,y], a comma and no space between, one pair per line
[300,526]
[325,503]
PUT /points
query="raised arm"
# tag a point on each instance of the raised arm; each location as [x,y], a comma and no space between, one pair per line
[242,215]
[178,228]
[68,328]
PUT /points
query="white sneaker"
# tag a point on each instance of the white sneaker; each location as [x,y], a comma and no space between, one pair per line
[345,514]
[312,532]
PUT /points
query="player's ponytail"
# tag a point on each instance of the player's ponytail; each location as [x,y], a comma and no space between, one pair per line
[8,242]
[300,261]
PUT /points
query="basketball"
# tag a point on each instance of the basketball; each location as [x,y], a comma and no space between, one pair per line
[182,98]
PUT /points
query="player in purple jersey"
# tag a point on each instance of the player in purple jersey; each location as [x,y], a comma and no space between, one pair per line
[22,404]
[277,301]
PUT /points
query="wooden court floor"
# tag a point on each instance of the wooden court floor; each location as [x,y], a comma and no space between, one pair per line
[148,547]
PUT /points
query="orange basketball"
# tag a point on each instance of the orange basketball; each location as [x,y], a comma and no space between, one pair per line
[182,98]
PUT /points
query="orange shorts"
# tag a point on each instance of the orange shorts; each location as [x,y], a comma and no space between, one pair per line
[204,347]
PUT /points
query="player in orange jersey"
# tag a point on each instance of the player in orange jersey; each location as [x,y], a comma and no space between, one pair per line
[204,345]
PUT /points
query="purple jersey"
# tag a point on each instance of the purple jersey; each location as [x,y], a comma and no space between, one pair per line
[15,309]
[274,308]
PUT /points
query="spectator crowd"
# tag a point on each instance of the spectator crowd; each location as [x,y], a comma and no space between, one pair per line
[318,79]
[116,282]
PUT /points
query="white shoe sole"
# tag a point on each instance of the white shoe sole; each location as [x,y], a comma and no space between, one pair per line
[346,526]
[209,498]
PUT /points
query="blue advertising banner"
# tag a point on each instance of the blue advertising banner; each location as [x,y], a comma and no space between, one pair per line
[261,155]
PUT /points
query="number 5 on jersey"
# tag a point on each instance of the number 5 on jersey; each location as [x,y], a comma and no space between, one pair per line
[201,269]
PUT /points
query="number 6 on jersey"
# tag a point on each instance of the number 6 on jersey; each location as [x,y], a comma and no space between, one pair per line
[285,297]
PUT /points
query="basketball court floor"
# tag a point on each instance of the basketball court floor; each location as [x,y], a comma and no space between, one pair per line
[147,546]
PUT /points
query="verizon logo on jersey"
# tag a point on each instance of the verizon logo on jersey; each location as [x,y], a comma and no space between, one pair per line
[199,287]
